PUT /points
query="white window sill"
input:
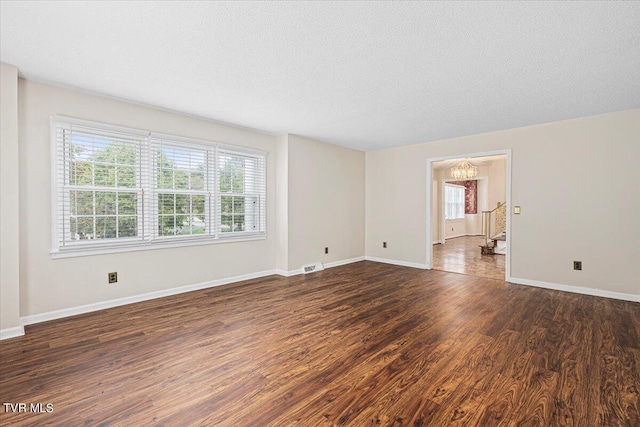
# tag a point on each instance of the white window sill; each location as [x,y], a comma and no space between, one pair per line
[88,250]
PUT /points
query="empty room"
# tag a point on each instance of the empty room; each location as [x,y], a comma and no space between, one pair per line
[319,213]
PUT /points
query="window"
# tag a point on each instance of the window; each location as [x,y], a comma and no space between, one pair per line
[453,201]
[241,207]
[124,188]
[181,189]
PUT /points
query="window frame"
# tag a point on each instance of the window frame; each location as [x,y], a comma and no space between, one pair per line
[447,204]
[257,193]
[146,187]
[157,140]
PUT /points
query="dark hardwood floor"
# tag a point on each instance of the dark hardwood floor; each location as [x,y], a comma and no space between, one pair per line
[362,344]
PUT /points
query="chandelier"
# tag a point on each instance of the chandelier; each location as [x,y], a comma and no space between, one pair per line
[464,171]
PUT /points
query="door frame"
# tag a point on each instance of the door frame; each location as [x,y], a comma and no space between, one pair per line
[430,161]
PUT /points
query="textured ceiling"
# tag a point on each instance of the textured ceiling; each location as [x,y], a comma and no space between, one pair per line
[359,74]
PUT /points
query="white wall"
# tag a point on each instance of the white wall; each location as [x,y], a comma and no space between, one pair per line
[9,204]
[325,203]
[47,284]
[473,224]
[566,176]
[455,228]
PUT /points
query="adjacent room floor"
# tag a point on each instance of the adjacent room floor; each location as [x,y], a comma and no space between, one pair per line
[361,344]
[462,255]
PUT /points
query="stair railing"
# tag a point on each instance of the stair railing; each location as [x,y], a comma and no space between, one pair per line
[494,222]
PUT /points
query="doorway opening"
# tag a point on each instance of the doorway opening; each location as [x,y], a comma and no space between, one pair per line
[469,224]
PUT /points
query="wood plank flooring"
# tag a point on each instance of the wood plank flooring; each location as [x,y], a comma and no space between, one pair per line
[462,255]
[357,345]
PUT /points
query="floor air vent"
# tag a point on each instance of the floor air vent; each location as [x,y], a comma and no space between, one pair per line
[312,267]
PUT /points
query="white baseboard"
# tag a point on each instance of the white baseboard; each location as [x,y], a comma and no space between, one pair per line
[7,333]
[459,235]
[575,289]
[396,262]
[58,314]
[290,273]
[343,262]
[453,237]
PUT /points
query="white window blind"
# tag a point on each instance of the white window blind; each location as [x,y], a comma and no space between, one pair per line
[242,185]
[117,187]
[454,201]
[182,185]
[99,185]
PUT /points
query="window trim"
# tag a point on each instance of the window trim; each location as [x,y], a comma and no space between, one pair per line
[462,218]
[144,246]
[149,239]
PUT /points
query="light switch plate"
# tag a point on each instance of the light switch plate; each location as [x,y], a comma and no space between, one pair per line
[516,210]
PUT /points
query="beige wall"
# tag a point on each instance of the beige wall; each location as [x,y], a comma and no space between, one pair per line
[9,204]
[435,209]
[566,176]
[474,222]
[570,177]
[282,203]
[315,198]
[497,173]
[325,203]
[47,284]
